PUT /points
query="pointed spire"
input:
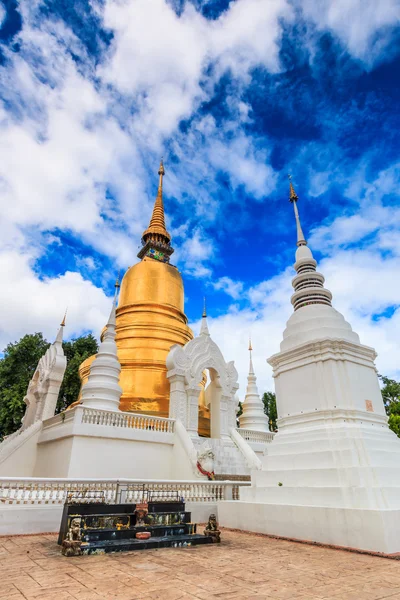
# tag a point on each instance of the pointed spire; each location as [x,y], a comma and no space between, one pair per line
[156,240]
[293,197]
[251,368]
[308,283]
[204,325]
[117,285]
[253,416]
[62,324]
[60,332]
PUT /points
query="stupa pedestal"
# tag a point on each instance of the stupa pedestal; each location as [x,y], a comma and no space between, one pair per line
[332,472]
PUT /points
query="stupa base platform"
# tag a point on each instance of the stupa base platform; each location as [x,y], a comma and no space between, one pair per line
[371,530]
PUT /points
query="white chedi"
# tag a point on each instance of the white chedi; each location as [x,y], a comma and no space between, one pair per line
[253,416]
[102,390]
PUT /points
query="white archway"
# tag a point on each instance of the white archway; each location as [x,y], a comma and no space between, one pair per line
[185,372]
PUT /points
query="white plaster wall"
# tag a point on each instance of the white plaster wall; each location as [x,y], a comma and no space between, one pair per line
[374,530]
[20,519]
[327,384]
[99,457]
[21,462]
[53,458]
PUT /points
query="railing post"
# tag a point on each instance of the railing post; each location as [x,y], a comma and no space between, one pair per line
[228,492]
[116,493]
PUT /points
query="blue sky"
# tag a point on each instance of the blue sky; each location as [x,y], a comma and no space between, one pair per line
[234,95]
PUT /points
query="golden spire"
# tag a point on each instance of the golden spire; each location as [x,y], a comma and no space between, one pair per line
[157,221]
[62,324]
[156,240]
[250,346]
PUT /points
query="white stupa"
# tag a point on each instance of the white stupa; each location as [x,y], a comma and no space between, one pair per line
[332,473]
[102,390]
[253,416]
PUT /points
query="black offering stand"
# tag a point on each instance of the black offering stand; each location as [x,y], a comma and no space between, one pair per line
[113,527]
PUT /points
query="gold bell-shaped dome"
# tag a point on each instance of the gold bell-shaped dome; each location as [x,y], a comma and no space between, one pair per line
[150,319]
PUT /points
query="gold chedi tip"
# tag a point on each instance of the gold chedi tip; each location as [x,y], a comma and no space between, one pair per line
[157,221]
[250,346]
[156,240]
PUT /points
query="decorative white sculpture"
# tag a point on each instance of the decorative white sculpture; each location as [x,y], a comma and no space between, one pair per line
[253,416]
[102,389]
[332,473]
[206,460]
[41,396]
[185,371]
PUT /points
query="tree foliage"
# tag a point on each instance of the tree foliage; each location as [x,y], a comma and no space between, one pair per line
[269,400]
[390,394]
[391,399]
[76,352]
[16,370]
[18,365]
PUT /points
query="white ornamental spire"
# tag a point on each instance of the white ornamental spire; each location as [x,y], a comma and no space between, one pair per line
[60,332]
[102,389]
[204,325]
[308,284]
[253,416]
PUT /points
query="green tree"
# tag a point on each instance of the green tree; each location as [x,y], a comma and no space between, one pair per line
[391,399]
[390,394]
[269,400]
[18,366]
[76,352]
[16,370]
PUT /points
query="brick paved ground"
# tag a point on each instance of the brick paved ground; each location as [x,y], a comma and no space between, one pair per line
[243,567]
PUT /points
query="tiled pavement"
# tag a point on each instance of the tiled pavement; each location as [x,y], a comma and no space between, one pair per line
[244,566]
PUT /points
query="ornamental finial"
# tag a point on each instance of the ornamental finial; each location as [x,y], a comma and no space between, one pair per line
[250,346]
[62,324]
[161,172]
[204,308]
[293,197]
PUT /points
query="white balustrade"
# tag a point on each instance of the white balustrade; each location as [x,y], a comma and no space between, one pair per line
[35,490]
[263,437]
[95,416]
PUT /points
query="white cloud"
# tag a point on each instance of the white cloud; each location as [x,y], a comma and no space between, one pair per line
[28,304]
[230,287]
[362,25]
[193,253]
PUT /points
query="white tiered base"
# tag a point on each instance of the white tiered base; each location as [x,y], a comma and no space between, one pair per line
[340,476]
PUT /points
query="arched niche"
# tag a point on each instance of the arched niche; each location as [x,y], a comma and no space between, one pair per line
[185,372]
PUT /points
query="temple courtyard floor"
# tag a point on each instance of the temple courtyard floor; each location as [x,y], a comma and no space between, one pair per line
[244,566]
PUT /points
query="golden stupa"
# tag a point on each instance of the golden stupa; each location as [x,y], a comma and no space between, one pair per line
[150,319]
